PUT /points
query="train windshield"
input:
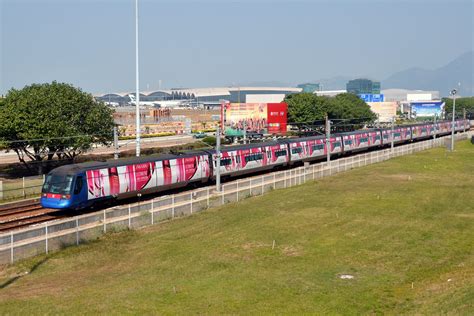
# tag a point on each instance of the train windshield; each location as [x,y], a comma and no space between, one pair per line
[57,184]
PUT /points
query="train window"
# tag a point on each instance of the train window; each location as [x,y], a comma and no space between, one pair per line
[377,137]
[337,144]
[385,136]
[296,150]
[348,142]
[253,157]
[318,147]
[269,154]
[57,184]
[363,140]
[78,186]
[237,159]
[279,153]
[226,161]
[397,134]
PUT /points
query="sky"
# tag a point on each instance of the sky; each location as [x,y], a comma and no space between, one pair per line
[91,44]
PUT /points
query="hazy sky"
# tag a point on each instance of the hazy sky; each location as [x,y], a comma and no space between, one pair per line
[91,44]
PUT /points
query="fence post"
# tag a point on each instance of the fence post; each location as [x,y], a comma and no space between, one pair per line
[77,231]
[191,196]
[262,179]
[11,246]
[152,213]
[223,194]
[105,225]
[313,171]
[274,180]
[172,206]
[207,197]
[250,186]
[46,238]
[24,193]
[237,190]
[129,216]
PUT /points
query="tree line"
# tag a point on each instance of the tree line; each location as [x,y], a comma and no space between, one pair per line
[308,109]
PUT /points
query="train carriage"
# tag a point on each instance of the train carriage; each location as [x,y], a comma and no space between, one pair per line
[360,140]
[420,131]
[243,159]
[310,148]
[78,186]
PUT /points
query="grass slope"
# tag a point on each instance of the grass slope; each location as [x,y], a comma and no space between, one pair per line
[403,228]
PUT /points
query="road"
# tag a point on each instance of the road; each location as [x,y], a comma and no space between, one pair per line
[124,145]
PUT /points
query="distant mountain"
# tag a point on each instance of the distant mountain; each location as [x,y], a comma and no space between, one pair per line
[443,79]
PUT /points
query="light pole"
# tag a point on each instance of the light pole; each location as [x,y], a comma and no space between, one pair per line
[137,105]
[453,93]
[218,159]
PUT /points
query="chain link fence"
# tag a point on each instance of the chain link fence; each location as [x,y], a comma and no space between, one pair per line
[54,235]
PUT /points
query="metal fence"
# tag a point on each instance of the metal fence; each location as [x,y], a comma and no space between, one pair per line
[54,235]
[21,188]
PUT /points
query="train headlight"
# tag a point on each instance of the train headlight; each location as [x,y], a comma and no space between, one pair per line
[65,197]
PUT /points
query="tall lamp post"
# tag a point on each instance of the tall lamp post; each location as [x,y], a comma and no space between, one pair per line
[453,93]
[137,105]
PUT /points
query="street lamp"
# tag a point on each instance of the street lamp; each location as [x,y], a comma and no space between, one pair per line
[453,93]
[137,105]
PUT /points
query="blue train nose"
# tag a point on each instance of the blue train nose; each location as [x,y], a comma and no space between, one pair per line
[50,202]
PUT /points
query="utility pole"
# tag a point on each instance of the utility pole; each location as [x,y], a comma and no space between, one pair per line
[393,135]
[218,159]
[137,105]
[453,93]
[328,136]
[116,146]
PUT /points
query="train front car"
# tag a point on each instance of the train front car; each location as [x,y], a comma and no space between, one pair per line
[58,190]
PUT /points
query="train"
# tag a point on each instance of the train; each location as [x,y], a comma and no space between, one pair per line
[84,185]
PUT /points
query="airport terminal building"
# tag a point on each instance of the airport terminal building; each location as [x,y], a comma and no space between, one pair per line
[204,96]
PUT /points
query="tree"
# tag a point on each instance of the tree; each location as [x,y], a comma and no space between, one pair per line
[308,108]
[46,120]
[461,104]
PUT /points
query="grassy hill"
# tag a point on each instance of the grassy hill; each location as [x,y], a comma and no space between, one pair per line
[404,229]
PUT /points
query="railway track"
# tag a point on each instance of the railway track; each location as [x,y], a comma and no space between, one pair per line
[20,214]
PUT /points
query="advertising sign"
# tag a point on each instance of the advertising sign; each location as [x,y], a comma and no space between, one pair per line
[372,97]
[255,117]
[426,109]
[384,110]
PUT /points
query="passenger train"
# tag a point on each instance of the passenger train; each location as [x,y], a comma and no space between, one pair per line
[86,184]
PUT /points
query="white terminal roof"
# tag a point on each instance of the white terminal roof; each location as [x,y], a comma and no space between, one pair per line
[206,92]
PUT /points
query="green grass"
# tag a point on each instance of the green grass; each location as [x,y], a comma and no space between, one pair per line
[404,228]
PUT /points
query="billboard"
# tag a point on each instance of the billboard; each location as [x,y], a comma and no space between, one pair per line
[263,118]
[426,109]
[372,97]
[384,110]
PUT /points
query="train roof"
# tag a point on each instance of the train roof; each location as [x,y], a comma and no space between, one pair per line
[84,166]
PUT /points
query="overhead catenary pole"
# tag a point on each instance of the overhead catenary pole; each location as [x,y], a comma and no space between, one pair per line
[218,159]
[137,105]
[116,147]
[464,120]
[392,134]
[453,93]
[328,136]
